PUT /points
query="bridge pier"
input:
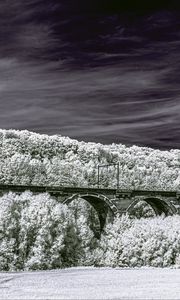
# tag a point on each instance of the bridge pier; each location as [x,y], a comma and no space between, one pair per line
[122,203]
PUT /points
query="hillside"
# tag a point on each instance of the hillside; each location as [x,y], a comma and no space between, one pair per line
[31,158]
[37,232]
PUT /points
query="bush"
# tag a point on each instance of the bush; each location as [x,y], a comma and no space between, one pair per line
[36,232]
[145,242]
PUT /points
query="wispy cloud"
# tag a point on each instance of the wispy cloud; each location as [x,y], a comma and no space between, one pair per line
[94,104]
[103,78]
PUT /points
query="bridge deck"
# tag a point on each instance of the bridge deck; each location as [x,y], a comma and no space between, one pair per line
[58,190]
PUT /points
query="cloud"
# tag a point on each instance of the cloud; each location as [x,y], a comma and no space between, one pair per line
[103,78]
[97,105]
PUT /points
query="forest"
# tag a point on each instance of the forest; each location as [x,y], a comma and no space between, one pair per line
[37,232]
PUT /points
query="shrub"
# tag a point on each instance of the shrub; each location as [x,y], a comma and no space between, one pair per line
[145,242]
[34,231]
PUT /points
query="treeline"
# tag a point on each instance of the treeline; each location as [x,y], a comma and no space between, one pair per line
[30,158]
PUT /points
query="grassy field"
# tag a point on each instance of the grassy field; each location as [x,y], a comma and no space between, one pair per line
[91,283]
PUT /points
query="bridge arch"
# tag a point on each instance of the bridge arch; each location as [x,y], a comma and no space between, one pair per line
[160,206]
[102,205]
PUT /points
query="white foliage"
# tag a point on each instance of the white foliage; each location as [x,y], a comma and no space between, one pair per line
[144,242]
[31,158]
[33,230]
[37,232]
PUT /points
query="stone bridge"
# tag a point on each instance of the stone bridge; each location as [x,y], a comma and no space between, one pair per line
[107,202]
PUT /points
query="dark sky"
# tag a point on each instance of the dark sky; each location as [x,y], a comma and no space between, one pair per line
[106,72]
